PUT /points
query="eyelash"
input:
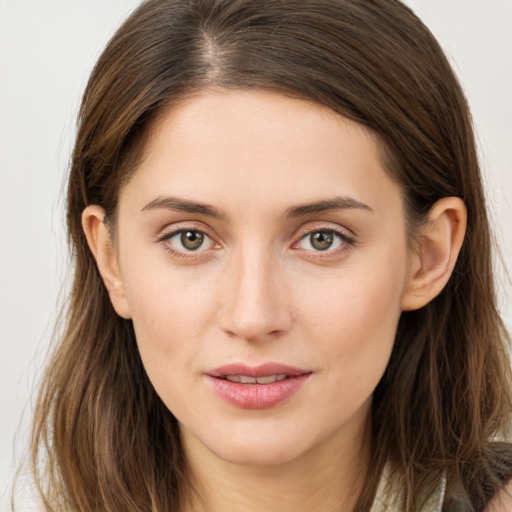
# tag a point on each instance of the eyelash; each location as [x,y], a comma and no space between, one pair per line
[179,253]
[346,243]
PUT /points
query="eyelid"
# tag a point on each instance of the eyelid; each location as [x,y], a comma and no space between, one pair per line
[177,227]
[347,240]
[171,235]
[347,237]
[312,227]
[171,231]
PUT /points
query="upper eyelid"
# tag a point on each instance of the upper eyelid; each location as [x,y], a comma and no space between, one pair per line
[347,243]
[173,229]
[165,240]
[345,240]
[345,233]
[172,234]
[338,231]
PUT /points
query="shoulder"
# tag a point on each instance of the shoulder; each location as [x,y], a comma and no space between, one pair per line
[502,502]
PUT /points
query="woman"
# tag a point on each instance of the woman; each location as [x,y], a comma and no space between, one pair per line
[283,295]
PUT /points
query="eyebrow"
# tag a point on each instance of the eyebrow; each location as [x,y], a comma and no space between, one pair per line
[183,205]
[337,203]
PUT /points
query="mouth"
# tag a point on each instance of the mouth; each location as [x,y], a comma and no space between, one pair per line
[246,374]
[246,379]
[258,387]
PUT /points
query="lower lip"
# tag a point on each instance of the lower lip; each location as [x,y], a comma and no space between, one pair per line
[257,396]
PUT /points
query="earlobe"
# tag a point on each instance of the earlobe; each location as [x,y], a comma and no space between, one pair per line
[100,243]
[436,253]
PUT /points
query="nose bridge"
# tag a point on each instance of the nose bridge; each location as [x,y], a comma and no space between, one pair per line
[254,303]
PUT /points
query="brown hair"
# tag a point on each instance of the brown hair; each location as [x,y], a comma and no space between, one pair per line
[102,438]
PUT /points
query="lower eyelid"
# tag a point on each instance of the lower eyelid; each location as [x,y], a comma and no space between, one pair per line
[343,237]
[345,242]
[182,252]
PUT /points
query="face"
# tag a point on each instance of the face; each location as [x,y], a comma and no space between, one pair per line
[263,255]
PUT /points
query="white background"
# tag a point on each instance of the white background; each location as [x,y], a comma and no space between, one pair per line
[47,50]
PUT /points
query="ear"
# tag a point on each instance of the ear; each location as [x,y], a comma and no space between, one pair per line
[98,237]
[434,257]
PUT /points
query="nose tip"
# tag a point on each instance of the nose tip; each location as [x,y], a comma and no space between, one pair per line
[252,331]
[255,304]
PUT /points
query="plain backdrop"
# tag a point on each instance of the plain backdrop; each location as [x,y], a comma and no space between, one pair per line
[47,50]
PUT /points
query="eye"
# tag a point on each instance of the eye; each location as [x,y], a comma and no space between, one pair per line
[191,240]
[187,240]
[322,240]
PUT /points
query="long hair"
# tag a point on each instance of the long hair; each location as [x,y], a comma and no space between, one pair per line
[102,439]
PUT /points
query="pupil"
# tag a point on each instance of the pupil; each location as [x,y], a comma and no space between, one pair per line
[192,239]
[321,240]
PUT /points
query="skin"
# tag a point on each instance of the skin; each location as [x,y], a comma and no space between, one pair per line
[257,290]
[502,502]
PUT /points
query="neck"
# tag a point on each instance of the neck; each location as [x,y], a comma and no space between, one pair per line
[329,477]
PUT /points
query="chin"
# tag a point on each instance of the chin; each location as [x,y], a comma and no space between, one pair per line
[250,447]
[267,447]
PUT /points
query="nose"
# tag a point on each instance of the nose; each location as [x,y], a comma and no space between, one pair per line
[255,305]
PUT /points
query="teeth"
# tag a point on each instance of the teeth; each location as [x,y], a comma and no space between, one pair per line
[244,379]
[266,380]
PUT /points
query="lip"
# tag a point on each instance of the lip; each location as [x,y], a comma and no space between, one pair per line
[257,396]
[262,370]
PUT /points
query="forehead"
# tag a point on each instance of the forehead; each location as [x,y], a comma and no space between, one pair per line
[237,147]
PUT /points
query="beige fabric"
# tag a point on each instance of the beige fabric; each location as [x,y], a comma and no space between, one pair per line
[392,500]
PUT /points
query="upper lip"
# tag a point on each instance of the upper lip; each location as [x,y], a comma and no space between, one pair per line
[262,370]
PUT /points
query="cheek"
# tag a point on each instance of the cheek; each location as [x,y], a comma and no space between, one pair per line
[171,311]
[169,326]
[353,321]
